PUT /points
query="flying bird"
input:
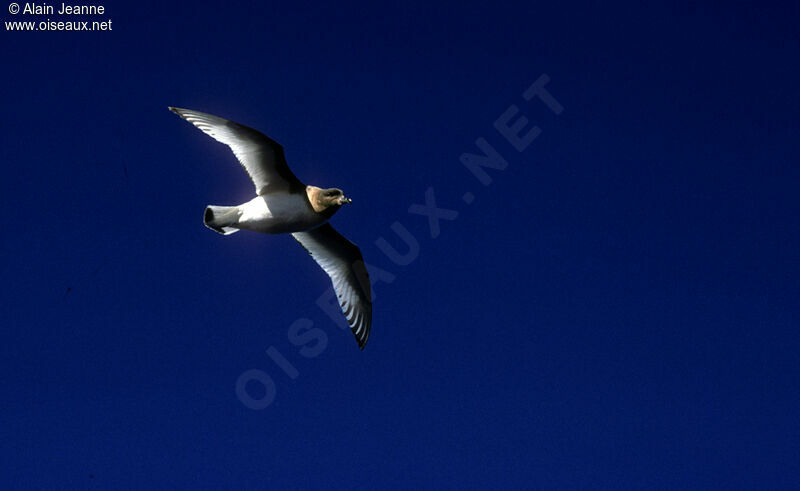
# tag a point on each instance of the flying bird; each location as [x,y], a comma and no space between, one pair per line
[284,205]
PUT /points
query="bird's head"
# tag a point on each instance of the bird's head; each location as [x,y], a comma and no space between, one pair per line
[335,197]
[326,200]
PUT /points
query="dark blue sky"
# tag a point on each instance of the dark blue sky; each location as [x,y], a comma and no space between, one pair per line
[616,309]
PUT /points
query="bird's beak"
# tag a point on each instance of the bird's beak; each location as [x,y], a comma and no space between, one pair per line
[346,201]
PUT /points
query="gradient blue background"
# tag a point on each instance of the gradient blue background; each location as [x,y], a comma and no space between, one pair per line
[618,309]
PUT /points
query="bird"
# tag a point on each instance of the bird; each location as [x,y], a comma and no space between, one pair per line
[283,204]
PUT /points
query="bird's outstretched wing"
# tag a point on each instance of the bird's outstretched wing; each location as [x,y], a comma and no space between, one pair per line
[261,156]
[343,262]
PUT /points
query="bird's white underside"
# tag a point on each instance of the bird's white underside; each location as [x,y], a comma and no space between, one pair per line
[271,214]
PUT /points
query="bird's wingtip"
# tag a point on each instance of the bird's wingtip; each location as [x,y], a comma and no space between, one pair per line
[362,343]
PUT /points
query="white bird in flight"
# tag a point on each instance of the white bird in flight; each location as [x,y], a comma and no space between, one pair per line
[282,205]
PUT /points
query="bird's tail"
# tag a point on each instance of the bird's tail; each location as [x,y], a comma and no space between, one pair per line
[221,218]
